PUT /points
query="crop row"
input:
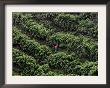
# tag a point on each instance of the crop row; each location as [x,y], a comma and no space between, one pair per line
[77,24]
[26,65]
[72,65]
[83,47]
[31,47]
[49,20]
[83,23]
[44,16]
[65,22]
[31,27]
[46,19]
[37,32]
[92,16]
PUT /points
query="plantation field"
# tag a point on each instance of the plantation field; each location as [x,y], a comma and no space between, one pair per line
[55,44]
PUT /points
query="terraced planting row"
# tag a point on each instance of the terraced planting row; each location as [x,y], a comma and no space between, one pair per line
[83,47]
[31,47]
[41,49]
[26,65]
[81,24]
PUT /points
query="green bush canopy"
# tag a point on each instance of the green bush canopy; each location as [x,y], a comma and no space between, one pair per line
[55,44]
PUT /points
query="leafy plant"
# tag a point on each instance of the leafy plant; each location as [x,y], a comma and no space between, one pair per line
[34,38]
[83,47]
[31,47]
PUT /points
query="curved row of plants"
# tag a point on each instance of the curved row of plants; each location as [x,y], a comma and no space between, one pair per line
[83,23]
[34,36]
[46,19]
[32,31]
[77,24]
[26,65]
[31,47]
[73,65]
[44,15]
[31,27]
[83,47]
[67,63]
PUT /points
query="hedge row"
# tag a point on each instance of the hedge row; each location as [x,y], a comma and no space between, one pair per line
[83,47]
[88,27]
[87,68]
[88,15]
[46,19]
[80,23]
[32,58]
[31,27]
[71,65]
[67,21]
[48,24]
[44,16]
[31,47]
[27,65]
[77,24]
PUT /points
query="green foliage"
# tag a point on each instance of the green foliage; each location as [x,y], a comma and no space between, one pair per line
[81,46]
[44,16]
[27,65]
[87,68]
[67,21]
[31,27]
[78,24]
[87,27]
[31,47]
[92,16]
[63,61]
[35,36]
[72,65]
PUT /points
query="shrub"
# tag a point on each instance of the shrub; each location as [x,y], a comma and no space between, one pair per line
[83,47]
[44,16]
[66,21]
[71,65]
[77,24]
[87,27]
[31,47]
[27,64]
[75,33]
[63,62]
[87,68]
[31,27]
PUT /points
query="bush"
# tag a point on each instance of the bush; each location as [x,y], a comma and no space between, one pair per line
[63,62]
[87,68]
[27,64]
[83,47]
[66,21]
[71,65]
[77,24]
[31,27]
[31,47]
[87,27]
[36,36]
[44,16]
[92,16]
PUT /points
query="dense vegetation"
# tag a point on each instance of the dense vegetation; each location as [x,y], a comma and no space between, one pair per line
[55,44]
